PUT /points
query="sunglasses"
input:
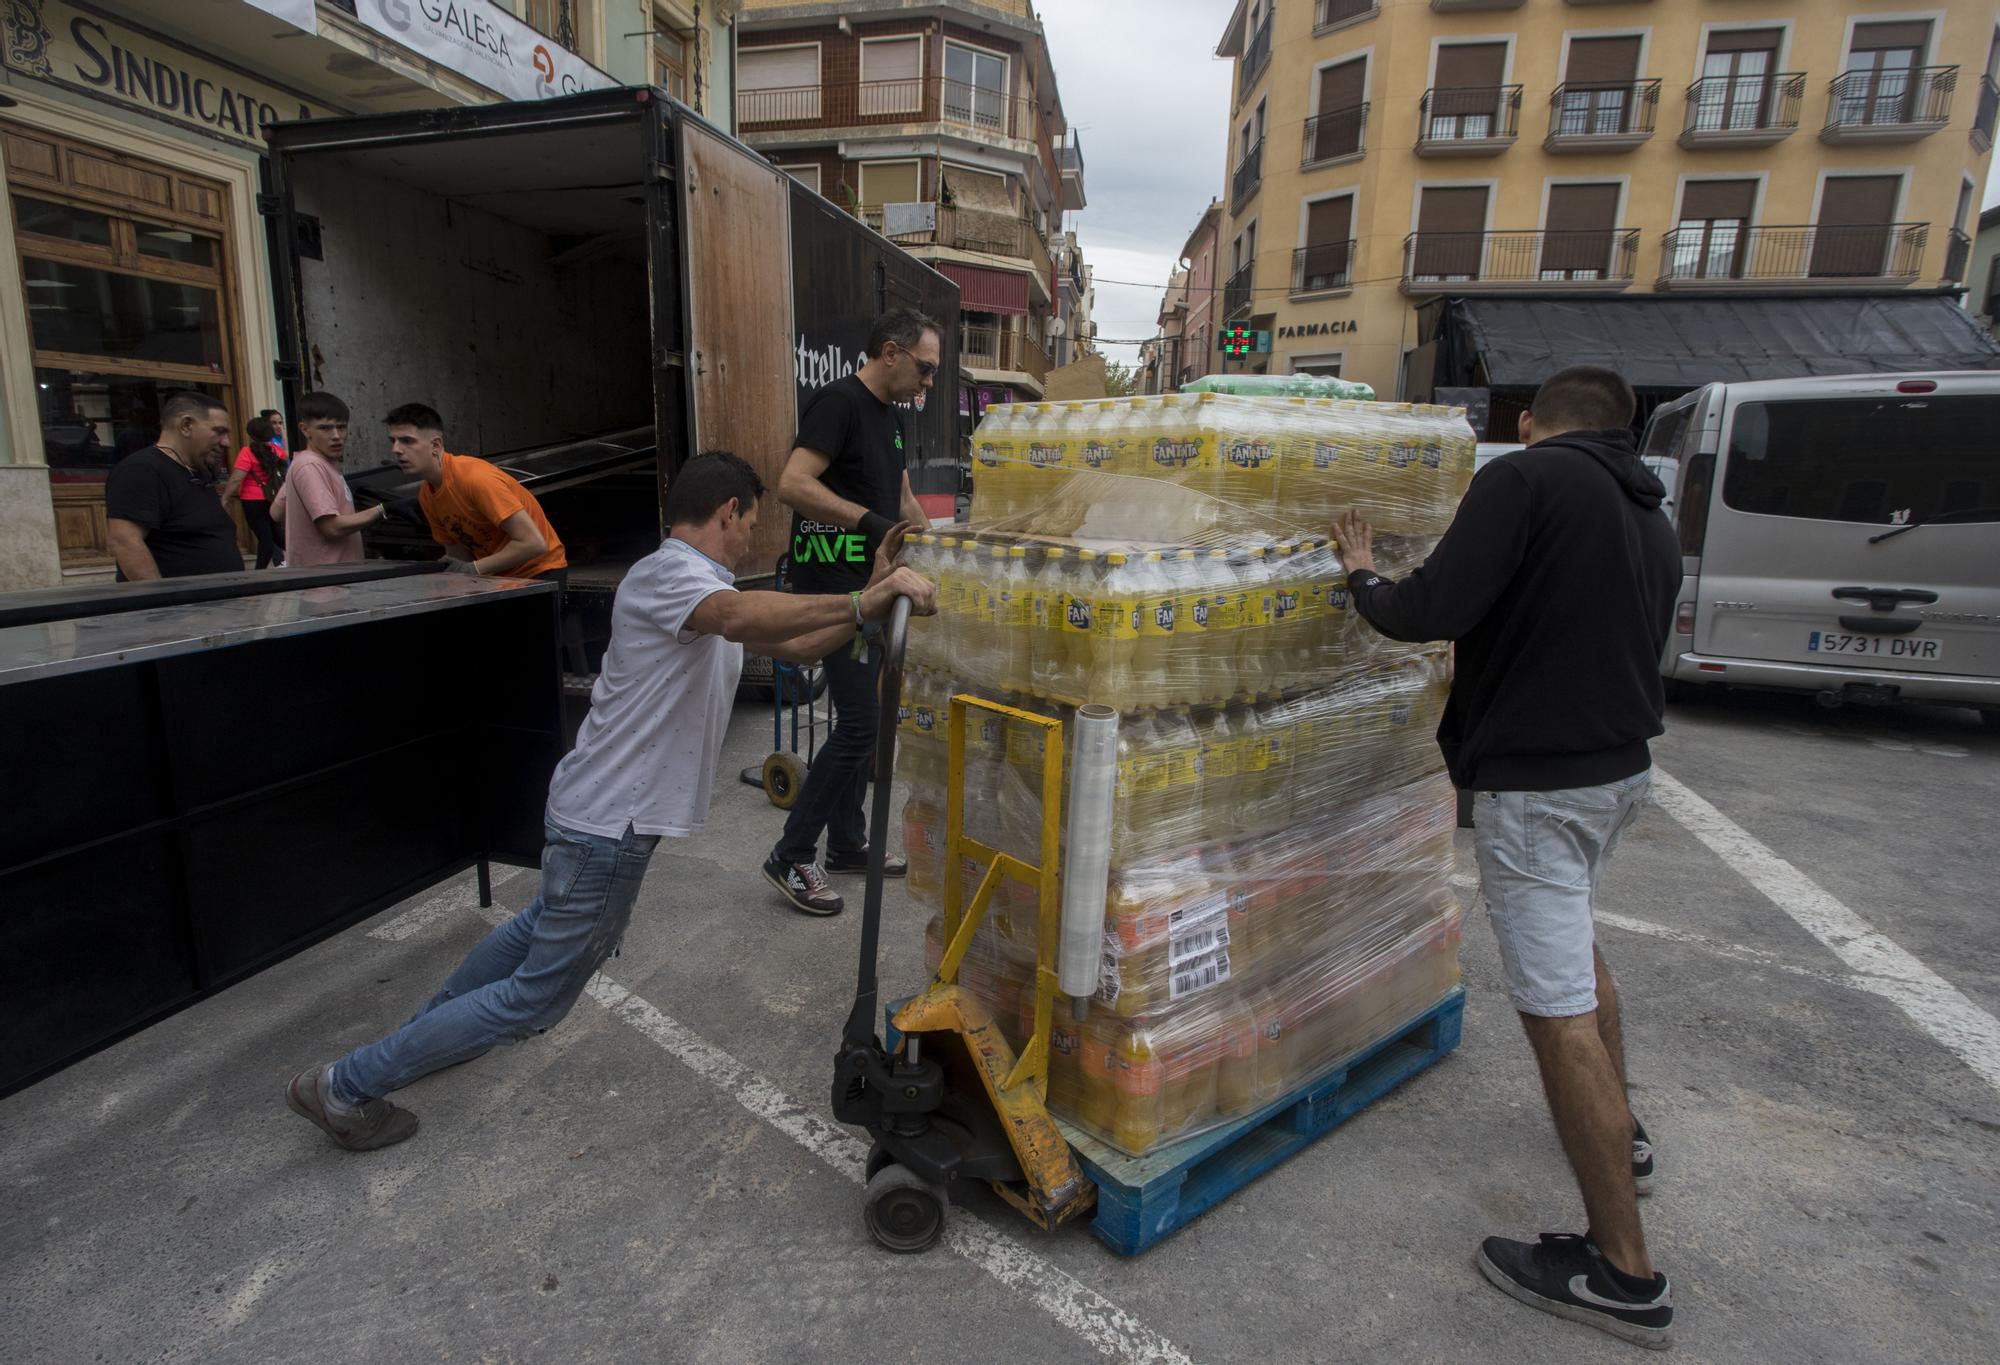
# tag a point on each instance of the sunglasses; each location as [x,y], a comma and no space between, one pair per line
[925,368]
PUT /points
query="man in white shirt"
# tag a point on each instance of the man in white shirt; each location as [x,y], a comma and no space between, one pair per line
[643,768]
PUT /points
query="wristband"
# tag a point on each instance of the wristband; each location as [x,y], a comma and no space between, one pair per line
[876,526]
[856,598]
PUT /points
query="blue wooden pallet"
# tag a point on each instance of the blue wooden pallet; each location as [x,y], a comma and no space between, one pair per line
[1141,1200]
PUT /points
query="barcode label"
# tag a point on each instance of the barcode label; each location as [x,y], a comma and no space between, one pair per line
[1200,975]
[1108,981]
[1204,939]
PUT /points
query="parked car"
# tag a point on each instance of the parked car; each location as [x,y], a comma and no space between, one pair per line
[1840,536]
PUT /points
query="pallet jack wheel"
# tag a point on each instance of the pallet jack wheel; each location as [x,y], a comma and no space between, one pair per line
[878,1157]
[783,776]
[905,1213]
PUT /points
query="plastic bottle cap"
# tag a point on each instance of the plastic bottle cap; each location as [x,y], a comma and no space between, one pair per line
[1055,552]
[1257,552]
[1152,556]
[1218,554]
[1114,559]
[1018,552]
[1086,554]
[949,542]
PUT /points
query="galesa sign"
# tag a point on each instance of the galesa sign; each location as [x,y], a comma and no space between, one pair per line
[484,43]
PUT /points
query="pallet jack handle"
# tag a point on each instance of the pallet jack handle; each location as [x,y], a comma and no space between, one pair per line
[860,1030]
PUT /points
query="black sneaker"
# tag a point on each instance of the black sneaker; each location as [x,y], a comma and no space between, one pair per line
[892,865]
[1565,1274]
[1642,1159]
[803,886]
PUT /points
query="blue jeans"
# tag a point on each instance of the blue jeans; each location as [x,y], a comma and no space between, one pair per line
[524,976]
[832,796]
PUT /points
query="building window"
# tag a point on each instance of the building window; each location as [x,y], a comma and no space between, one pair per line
[1852,237]
[778,84]
[1450,240]
[1578,231]
[892,75]
[890,182]
[670,62]
[807,175]
[1325,261]
[1736,84]
[1336,130]
[1598,86]
[1325,366]
[1880,84]
[975,88]
[128,302]
[1711,238]
[559,19]
[1466,104]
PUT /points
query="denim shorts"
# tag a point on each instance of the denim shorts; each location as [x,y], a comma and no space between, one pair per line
[1540,857]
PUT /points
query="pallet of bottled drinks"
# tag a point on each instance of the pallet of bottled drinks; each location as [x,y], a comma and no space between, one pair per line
[1280,937]
[1144,1199]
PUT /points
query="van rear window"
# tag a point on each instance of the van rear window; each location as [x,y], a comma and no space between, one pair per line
[1882,461]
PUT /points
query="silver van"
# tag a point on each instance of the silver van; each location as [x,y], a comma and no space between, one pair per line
[1839,536]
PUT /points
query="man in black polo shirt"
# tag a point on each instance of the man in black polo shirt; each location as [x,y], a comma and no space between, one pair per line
[162,514]
[846,476]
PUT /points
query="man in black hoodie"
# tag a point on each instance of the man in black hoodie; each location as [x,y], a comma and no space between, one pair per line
[1557,582]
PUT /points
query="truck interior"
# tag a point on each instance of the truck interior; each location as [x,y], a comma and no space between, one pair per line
[522,254]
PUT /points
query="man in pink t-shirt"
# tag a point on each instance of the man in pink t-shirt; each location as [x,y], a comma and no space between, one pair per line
[321,525]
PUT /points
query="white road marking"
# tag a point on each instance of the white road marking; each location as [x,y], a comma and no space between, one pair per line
[1084,1311]
[1880,965]
[461,895]
[1755,956]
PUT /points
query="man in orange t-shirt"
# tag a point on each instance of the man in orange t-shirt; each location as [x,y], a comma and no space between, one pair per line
[488,524]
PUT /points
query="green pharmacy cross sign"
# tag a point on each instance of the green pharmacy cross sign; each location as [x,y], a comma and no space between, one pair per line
[1239,340]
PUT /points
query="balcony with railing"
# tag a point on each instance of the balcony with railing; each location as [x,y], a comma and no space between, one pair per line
[1581,259]
[1743,111]
[1335,136]
[1602,116]
[1256,57]
[1329,15]
[1003,349]
[1247,178]
[1236,293]
[1069,158]
[1957,254]
[1724,257]
[1323,268]
[864,104]
[1888,105]
[1468,120]
[1986,115]
[971,230]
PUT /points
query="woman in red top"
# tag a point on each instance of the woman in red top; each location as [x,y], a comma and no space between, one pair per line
[256,479]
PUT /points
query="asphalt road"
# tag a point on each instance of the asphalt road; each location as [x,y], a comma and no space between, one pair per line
[655,1179]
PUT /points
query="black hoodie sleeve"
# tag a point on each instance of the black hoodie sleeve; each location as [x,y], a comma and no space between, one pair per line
[1471,567]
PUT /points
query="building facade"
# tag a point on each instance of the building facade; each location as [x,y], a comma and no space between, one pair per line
[941,125]
[1201,252]
[1384,155]
[1075,331]
[131,145]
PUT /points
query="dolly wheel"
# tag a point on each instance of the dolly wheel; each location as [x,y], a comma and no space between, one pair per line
[905,1213]
[783,776]
[878,1157]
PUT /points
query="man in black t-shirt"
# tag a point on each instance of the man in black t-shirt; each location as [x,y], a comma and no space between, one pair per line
[163,517]
[848,488]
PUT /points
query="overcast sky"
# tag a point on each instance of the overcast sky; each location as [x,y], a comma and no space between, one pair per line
[1143,88]
[1141,84]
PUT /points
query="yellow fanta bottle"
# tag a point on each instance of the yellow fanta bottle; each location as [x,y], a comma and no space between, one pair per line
[994,477]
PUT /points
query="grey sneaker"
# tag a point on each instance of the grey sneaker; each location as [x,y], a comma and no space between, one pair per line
[1643,1167]
[376,1123]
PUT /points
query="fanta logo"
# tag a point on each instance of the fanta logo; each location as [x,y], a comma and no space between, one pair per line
[1201,611]
[1249,454]
[1288,602]
[1096,454]
[1433,457]
[1163,615]
[1175,454]
[1401,456]
[1337,598]
[926,718]
[1063,1041]
[989,455]
[1043,456]
[1399,715]
[1079,612]
[1325,454]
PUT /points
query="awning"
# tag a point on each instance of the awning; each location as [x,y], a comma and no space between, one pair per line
[1681,343]
[987,291]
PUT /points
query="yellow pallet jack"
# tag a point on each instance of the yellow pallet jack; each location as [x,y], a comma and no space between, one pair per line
[953,1103]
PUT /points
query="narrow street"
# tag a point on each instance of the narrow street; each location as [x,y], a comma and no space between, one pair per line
[657,1178]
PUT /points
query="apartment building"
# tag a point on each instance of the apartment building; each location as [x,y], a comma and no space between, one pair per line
[941,125]
[1074,332]
[1396,166]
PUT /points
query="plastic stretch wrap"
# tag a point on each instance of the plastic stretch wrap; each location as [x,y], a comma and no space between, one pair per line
[1087,846]
[1281,386]
[1277,461]
[1276,864]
